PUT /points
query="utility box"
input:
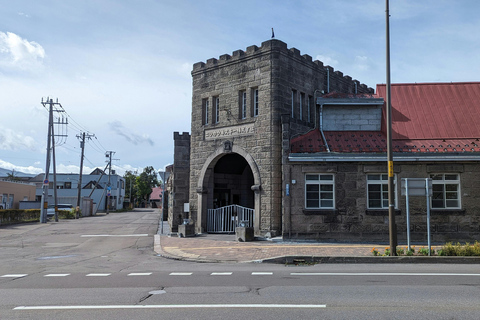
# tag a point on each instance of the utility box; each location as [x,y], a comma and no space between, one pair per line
[244,234]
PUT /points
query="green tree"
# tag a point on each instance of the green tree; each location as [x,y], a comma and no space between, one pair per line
[145,182]
[130,185]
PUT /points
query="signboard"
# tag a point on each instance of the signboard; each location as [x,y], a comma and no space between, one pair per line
[229,132]
[416,187]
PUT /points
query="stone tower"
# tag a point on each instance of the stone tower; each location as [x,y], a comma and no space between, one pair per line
[236,136]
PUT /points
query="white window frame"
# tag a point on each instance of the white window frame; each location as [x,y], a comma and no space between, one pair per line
[444,179]
[217,109]
[383,182]
[255,102]
[206,111]
[243,109]
[294,96]
[302,98]
[308,109]
[326,198]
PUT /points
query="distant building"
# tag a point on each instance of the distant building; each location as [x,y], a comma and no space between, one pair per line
[94,185]
[12,192]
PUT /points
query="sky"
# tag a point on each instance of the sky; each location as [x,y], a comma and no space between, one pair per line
[121,69]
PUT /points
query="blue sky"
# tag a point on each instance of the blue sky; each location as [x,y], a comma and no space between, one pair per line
[121,69]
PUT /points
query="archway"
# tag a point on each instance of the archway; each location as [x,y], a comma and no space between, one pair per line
[228,177]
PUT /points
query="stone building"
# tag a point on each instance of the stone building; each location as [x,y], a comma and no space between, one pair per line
[340,168]
[293,148]
[236,135]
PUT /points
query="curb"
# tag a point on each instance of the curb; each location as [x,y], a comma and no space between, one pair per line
[299,260]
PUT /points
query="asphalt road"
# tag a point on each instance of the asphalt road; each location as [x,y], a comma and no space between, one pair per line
[104,268]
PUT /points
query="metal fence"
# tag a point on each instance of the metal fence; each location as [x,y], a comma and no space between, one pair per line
[226,219]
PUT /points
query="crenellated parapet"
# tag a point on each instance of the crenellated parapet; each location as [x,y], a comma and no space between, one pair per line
[280,47]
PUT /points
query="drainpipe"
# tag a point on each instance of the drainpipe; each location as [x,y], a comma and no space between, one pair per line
[321,128]
[320,125]
[328,80]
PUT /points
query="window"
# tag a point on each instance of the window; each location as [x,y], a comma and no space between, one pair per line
[294,97]
[309,108]
[255,102]
[216,116]
[446,191]
[302,99]
[243,104]
[319,191]
[68,185]
[206,111]
[377,191]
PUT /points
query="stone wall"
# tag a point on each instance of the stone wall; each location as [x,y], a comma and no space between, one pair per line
[351,220]
[285,80]
[180,182]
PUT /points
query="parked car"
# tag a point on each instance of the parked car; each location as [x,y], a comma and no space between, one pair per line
[61,207]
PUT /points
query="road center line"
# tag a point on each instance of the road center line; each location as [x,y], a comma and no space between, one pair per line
[181,273]
[221,273]
[14,275]
[57,275]
[113,235]
[140,274]
[174,306]
[262,273]
[98,274]
[379,274]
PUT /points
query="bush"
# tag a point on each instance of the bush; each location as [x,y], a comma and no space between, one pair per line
[11,216]
[458,249]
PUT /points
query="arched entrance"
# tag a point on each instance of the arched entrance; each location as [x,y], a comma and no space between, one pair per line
[232,182]
[228,178]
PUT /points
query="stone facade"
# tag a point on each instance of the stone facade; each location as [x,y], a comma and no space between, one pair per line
[237,104]
[352,220]
[178,183]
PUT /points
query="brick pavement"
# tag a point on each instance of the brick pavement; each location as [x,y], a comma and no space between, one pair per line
[224,248]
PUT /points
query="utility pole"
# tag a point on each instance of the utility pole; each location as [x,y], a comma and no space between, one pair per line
[82,145]
[57,107]
[392,228]
[109,188]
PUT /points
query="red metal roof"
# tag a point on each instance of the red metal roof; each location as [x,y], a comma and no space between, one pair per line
[426,117]
[434,110]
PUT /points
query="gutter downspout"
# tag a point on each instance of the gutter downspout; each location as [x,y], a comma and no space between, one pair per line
[321,128]
[320,125]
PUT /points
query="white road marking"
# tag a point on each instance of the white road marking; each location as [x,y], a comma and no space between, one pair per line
[379,274]
[113,235]
[181,273]
[221,273]
[140,274]
[262,273]
[14,275]
[57,275]
[98,274]
[174,306]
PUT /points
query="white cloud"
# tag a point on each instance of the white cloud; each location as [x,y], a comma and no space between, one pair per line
[131,137]
[20,53]
[328,61]
[29,169]
[362,63]
[11,140]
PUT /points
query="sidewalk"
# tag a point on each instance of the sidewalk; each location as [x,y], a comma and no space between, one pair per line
[224,248]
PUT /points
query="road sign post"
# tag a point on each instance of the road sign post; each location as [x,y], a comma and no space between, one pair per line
[417,187]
